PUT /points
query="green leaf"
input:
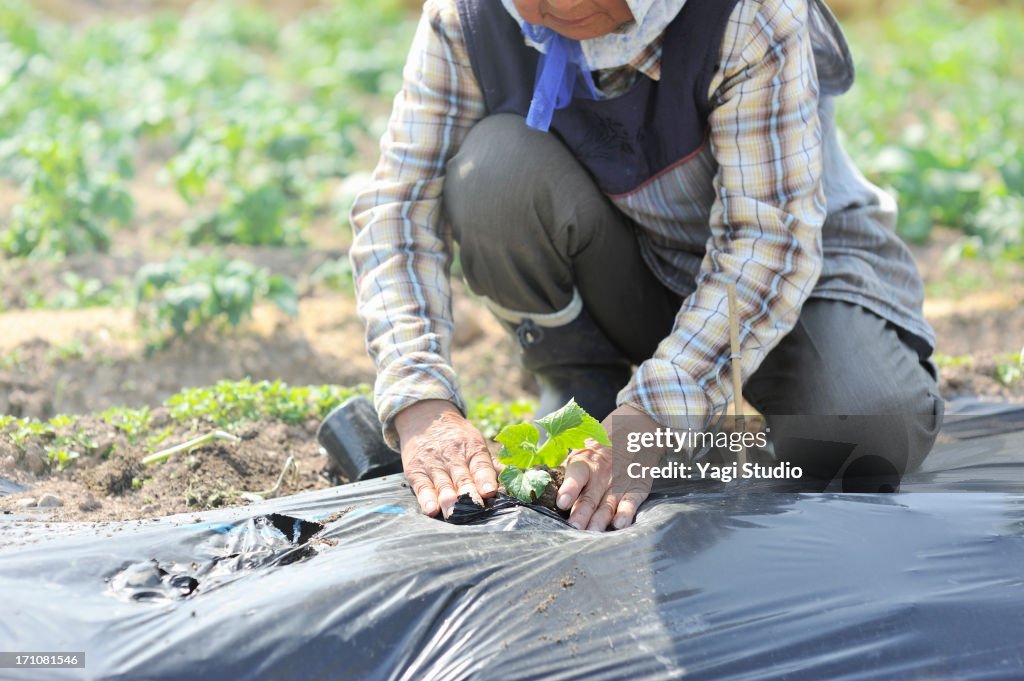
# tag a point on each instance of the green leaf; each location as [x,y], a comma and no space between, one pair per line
[234,297]
[1008,374]
[288,147]
[568,428]
[527,486]
[282,293]
[519,444]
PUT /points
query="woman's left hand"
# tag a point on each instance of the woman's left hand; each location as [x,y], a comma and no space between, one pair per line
[597,486]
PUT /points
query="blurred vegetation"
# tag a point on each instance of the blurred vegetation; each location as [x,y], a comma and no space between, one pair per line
[253,117]
[257,111]
[186,294]
[937,116]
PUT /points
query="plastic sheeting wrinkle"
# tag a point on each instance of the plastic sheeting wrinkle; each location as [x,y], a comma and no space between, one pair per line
[468,512]
[264,541]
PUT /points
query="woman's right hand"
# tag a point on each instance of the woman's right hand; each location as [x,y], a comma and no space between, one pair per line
[444,456]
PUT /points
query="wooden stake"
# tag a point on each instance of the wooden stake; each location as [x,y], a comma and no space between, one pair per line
[735,366]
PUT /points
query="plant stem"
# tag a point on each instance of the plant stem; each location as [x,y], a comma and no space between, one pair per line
[289,465]
[185,446]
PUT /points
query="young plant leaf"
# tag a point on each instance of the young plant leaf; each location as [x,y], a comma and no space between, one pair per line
[527,486]
[568,428]
[518,445]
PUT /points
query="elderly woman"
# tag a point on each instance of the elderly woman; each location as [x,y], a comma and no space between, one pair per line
[608,168]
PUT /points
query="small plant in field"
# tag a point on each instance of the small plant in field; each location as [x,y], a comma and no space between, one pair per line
[229,402]
[252,217]
[59,437]
[183,295]
[334,275]
[80,292]
[944,361]
[526,475]
[12,361]
[263,158]
[134,423]
[66,207]
[67,350]
[490,417]
[1011,372]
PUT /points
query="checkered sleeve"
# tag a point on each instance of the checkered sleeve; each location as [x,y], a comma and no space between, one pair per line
[401,251]
[765,223]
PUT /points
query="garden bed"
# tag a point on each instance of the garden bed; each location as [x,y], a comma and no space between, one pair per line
[101,192]
[115,465]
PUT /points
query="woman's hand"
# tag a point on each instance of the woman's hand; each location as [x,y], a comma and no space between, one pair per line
[597,486]
[443,456]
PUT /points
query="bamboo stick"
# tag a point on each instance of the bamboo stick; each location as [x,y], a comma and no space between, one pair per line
[735,366]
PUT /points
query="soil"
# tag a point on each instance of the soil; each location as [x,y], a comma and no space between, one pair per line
[111,483]
[548,593]
[547,500]
[83,361]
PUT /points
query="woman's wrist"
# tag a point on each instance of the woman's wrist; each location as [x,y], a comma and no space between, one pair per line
[415,418]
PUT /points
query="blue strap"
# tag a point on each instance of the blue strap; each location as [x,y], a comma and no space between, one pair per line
[557,72]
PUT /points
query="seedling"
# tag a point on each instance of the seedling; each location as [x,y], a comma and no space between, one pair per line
[184,295]
[1011,372]
[528,465]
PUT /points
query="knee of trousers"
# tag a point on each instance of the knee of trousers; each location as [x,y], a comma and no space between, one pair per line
[499,189]
[869,450]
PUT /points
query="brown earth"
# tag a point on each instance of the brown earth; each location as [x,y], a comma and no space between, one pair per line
[83,361]
[111,483]
[550,496]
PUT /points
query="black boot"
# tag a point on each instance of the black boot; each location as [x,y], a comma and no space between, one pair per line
[575,360]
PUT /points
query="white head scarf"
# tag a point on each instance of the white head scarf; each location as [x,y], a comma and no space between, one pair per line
[650,19]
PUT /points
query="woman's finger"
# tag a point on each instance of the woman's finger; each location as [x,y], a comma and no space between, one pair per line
[577,475]
[445,489]
[583,509]
[482,470]
[458,471]
[626,511]
[602,517]
[423,488]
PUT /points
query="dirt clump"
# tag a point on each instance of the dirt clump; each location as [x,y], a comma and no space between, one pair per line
[113,476]
[550,495]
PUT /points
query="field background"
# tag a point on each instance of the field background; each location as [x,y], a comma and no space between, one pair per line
[175,179]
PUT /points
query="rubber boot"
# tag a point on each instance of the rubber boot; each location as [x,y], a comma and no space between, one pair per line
[575,360]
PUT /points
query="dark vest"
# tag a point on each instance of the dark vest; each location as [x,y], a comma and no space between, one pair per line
[626,140]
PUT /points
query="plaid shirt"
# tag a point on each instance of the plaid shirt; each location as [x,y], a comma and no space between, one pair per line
[769,207]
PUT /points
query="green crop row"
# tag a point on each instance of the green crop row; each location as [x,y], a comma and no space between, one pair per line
[228,404]
[255,118]
[252,116]
[183,295]
[186,294]
[937,116]
[1008,367]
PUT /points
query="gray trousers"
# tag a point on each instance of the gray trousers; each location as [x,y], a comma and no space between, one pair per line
[533,228]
